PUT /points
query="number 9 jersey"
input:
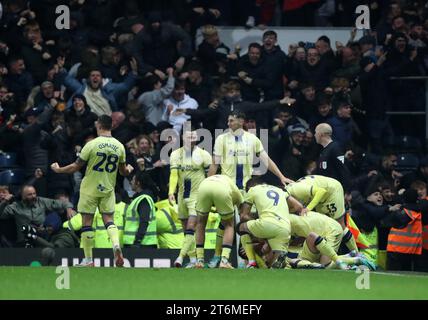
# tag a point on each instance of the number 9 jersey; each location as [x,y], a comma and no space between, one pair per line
[269,201]
[102,156]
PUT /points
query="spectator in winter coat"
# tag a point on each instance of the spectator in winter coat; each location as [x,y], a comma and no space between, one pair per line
[156,46]
[101,94]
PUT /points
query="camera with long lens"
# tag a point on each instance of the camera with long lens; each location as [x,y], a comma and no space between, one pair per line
[30,234]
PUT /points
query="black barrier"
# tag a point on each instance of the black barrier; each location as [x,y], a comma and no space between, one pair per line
[134,258]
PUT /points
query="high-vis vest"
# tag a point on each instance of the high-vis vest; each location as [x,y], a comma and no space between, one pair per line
[168,226]
[132,222]
[101,237]
[102,240]
[408,239]
[367,243]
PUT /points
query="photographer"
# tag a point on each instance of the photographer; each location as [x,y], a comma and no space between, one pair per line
[31,210]
[49,235]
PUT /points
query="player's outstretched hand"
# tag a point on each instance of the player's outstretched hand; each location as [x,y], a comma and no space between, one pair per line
[55,167]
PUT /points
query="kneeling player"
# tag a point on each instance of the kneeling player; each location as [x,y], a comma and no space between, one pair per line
[273,223]
[323,237]
[218,191]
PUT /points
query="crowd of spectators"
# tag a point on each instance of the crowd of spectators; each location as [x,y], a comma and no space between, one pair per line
[139,63]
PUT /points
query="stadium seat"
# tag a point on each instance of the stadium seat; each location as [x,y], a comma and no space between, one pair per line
[407,162]
[12,177]
[407,144]
[7,160]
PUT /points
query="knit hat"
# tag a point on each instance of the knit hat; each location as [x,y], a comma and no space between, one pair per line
[372,188]
[296,128]
[53,220]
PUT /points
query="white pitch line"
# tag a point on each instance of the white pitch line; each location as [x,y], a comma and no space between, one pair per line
[399,274]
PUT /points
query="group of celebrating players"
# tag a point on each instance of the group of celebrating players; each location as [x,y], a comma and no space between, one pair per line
[311,208]
[271,219]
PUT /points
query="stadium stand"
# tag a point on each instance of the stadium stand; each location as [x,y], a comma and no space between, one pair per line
[54,83]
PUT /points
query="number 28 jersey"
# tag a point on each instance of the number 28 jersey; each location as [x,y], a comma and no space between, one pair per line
[269,201]
[102,156]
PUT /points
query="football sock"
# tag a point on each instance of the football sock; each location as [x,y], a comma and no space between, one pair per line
[349,240]
[326,250]
[248,247]
[88,242]
[200,252]
[225,253]
[113,234]
[260,262]
[219,240]
[188,243]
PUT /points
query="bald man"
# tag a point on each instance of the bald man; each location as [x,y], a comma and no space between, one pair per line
[331,160]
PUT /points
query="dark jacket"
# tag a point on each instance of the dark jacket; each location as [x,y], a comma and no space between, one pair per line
[342,130]
[159,50]
[211,57]
[262,80]
[35,155]
[82,126]
[318,75]
[20,85]
[374,93]
[35,62]
[226,106]
[60,149]
[276,63]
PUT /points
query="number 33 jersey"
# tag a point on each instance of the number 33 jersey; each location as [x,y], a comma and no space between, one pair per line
[102,156]
[270,201]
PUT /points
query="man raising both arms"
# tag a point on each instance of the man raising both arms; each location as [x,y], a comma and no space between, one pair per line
[103,156]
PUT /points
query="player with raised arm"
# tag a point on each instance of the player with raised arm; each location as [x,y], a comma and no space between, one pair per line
[188,166]
[103,157]
[234,152]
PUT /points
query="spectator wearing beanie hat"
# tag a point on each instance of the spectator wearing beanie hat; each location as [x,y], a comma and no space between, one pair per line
[81,119]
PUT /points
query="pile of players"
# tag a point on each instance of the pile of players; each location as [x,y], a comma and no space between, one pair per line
[272,219]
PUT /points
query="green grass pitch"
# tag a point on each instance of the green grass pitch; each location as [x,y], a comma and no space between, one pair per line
[205,284]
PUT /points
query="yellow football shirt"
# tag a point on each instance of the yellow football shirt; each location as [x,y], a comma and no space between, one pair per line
[316,222]
[236,154]
[331,203]
[102,156]
[269,201]
[191,168]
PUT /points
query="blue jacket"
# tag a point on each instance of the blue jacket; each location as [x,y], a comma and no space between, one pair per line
[110,91]
[342,130]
